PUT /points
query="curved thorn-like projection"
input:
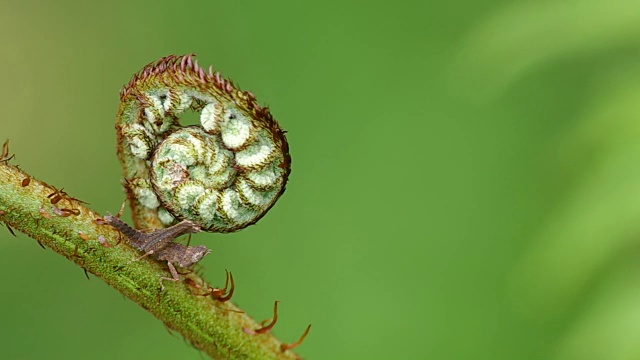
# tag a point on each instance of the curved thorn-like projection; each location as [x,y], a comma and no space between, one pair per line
[266,327]
[223,174]
[293,345]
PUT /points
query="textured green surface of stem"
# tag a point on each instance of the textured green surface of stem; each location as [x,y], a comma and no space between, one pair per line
[212,326]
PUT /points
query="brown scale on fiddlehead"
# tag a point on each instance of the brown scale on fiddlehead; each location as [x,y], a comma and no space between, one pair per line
[222,175]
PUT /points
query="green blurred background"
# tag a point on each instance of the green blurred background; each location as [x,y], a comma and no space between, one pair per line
[465,176]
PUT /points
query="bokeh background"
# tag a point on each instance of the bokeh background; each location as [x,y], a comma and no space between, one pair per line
[465,176]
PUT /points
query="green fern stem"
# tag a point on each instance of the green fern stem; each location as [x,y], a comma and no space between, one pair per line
[217,328]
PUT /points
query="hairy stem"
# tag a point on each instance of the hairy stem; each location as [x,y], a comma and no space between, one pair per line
[219,329]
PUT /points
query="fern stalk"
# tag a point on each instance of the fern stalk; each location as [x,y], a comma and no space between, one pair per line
[219,329]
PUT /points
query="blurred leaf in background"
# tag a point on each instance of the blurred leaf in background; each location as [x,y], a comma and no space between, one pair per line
[581,266]
[463,185]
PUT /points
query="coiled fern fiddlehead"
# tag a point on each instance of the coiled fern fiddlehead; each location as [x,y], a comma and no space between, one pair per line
[255,154]
[223,174]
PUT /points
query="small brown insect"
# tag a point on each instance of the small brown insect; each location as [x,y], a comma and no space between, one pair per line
[159,244]
[26,181]
[83,236]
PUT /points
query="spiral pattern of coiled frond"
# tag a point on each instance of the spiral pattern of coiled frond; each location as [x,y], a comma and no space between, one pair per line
[223,174]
